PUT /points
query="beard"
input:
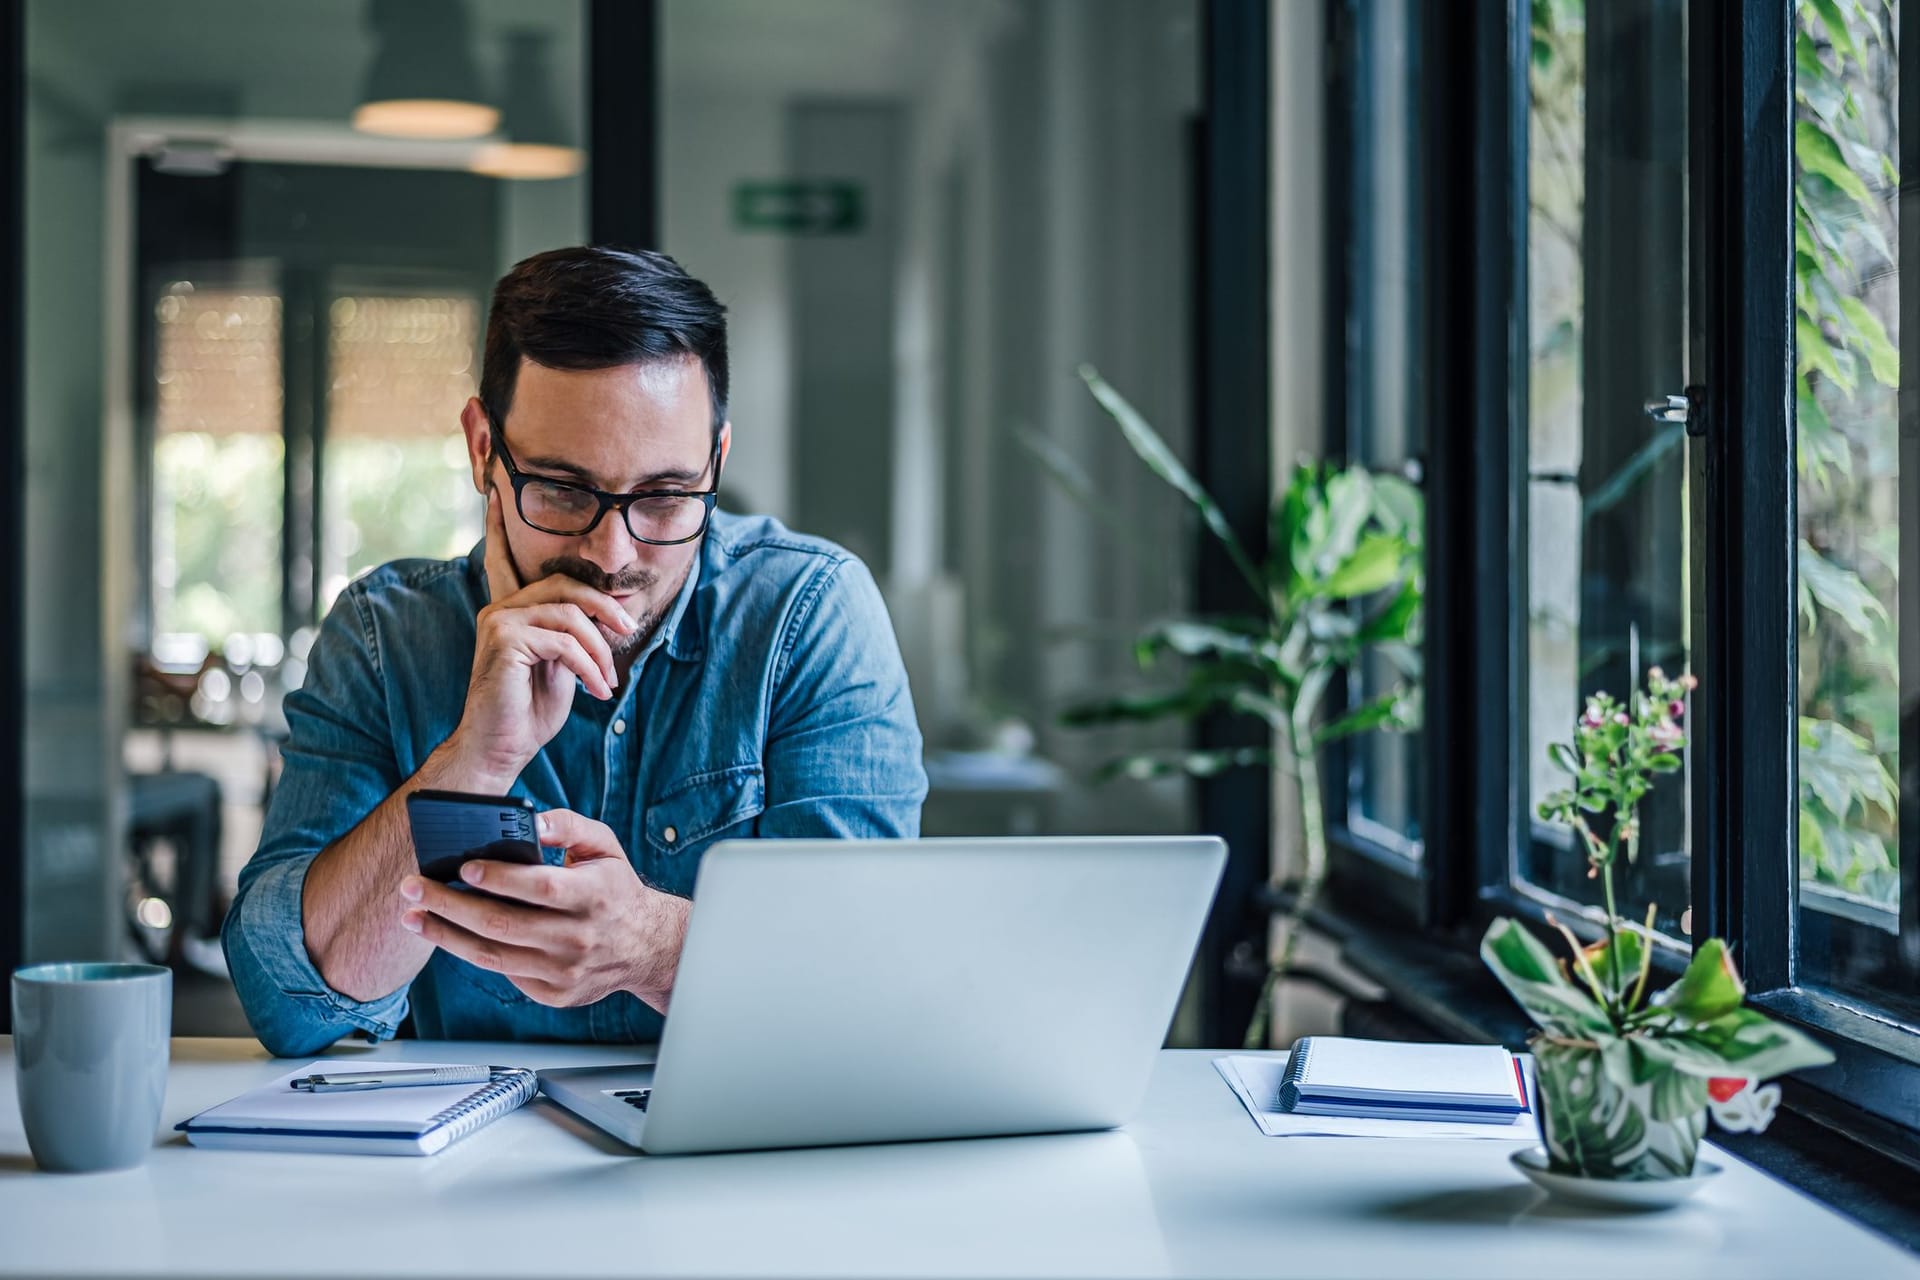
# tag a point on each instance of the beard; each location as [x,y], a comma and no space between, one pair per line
[645,609]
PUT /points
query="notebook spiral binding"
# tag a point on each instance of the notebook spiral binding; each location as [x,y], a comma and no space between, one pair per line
[511,1087]
[1296,1072]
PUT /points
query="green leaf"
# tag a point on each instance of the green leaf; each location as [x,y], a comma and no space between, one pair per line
[1629,948]
[1399,621]
[1531,975]
[1373,566]
[1209,640]
[1746,1042]
[1837,30]
[1803,242]
[1819,154]
[1400,508]
[1813,82]
[1385,711]
[1839,591]
[1841,770]
[1710,987]
[1349,507]
[1160,459]
[1883,358]
[1817,354]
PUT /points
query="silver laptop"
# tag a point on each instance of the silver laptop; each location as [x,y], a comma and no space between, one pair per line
[837,991]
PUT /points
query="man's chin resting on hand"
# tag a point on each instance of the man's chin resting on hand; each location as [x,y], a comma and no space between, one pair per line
[653,673]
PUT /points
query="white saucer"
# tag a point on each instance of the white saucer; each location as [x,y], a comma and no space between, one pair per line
[1609,1193]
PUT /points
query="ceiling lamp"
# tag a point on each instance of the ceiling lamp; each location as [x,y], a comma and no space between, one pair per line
[537,144]
[423,82]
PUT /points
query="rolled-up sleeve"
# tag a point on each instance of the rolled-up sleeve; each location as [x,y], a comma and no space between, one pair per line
[339,766]
[843,753]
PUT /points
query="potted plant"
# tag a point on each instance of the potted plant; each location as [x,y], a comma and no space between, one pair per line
[1342,577]
[1627,1075]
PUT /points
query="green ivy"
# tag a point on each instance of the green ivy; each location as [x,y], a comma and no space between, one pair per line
[1847,377]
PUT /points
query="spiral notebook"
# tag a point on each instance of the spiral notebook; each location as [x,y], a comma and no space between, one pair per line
[414,1121]
[1386,1080]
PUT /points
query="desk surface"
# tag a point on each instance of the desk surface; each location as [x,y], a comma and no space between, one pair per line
[1189,1188]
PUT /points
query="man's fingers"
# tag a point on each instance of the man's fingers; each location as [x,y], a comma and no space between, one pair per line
[483,952]
[561,647]
[495,919]
[541,886]
[574,621]
[503,580]
[580,836]
[557,588]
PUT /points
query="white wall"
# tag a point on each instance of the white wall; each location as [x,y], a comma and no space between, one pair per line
[710,140]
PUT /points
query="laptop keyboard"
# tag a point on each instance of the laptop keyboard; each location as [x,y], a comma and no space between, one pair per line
[636,1098]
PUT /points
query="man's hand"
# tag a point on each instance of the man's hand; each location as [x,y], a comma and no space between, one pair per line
[532,642]
[565,935]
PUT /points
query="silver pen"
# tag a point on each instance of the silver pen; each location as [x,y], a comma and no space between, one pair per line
[392,1079]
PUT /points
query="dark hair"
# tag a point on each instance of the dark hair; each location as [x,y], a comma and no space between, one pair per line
[592,307]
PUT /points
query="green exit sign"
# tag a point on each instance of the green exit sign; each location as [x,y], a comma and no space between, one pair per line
[800,207]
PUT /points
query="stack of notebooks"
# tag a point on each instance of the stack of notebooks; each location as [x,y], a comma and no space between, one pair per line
[394,1122]
[1331,1085]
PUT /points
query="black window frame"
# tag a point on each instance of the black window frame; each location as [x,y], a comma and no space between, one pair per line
[1743,528]
[1373,871]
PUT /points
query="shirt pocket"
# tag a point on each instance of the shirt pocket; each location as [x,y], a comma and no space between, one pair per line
[690,815]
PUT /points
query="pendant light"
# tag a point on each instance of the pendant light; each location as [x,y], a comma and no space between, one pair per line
[423,82]
[537,144]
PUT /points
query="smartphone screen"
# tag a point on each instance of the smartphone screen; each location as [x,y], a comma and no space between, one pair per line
[452,828]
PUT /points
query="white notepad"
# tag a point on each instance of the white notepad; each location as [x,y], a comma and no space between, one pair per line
[1386,1080]
[1255,1080]
[415,1121]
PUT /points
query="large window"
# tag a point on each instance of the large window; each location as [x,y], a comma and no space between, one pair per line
[397,484]
[1691,449]
[218,460]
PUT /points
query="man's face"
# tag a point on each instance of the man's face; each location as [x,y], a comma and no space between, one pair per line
[646,426]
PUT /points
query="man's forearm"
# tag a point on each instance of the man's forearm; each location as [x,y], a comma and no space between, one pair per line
[350,910]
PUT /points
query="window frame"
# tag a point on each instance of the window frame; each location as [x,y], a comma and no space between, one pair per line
[1375,871]
[1741,493]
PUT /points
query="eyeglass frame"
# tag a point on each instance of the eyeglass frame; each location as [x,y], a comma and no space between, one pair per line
[607,501]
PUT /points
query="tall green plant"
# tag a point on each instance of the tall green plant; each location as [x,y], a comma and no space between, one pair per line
[1342,577]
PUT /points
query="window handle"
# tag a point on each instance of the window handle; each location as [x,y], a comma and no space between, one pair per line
[1683,410]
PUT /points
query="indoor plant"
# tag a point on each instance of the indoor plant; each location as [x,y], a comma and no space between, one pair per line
[1342,577]
[1626,1076]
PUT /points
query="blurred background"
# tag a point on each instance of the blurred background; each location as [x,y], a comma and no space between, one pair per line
[260,239]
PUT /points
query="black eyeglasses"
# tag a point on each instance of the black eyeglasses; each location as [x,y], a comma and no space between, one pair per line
[663,517]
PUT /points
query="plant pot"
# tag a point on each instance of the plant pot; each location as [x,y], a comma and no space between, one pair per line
[1594,1127]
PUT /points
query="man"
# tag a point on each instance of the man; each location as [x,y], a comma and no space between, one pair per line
[654,674]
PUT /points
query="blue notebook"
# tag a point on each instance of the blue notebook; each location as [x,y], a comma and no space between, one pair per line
[395,1122]
[1389,1080]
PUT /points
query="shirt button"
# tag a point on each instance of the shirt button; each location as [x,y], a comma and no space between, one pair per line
[619,726]
[669,835]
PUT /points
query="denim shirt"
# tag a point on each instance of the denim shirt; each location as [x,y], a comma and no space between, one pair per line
[770,701]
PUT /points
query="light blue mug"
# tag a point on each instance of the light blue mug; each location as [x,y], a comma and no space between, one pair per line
[90,1054]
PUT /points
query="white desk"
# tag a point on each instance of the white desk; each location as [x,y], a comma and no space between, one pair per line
[1189,1188]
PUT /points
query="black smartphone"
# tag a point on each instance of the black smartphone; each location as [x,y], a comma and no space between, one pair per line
[452,828]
